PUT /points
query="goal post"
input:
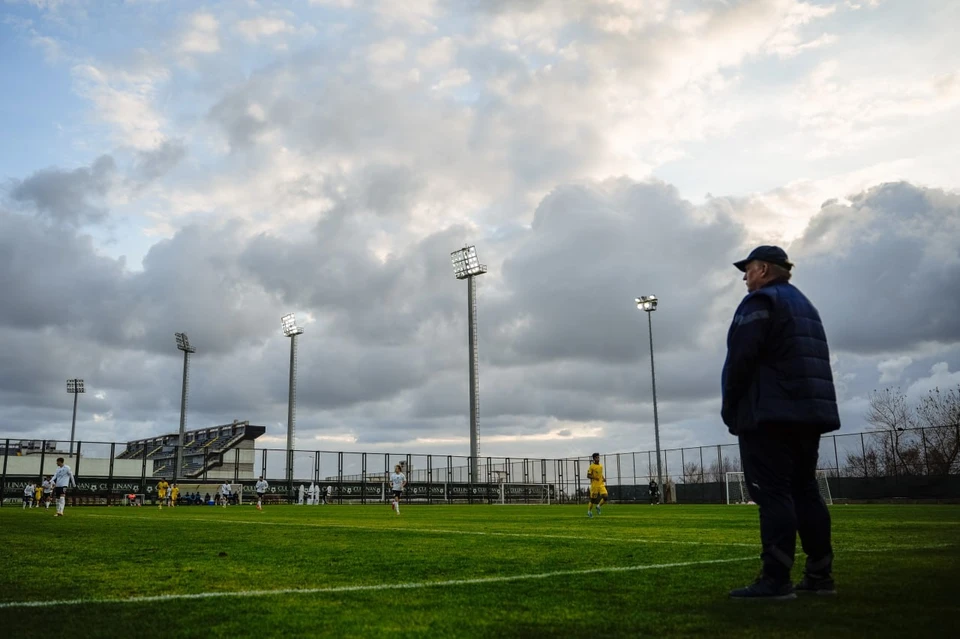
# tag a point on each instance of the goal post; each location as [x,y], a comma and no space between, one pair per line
[523,494]
[736,488]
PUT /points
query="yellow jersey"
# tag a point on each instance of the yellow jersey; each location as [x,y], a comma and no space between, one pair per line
[595,474]
[175,493]
[162,488]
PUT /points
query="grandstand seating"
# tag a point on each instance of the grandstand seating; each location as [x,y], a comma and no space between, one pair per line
[204,449]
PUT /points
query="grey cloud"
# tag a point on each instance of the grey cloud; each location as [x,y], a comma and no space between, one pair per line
[150,165]
[385,358]
[69,196]
[884,270]
[590,252]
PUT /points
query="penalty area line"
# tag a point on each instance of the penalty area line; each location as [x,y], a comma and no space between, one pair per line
[371,588]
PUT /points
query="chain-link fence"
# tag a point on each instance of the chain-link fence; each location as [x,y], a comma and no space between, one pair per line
[881,464]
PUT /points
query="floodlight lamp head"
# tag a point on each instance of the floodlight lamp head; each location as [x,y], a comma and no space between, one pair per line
[74,385]
[289,323]
[647,303]
[183,343]
[466,264]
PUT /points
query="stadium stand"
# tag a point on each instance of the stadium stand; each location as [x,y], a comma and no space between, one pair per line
[207,452]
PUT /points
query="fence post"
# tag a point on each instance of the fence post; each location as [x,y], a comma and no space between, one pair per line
[3,477]
[926,463]
[703,485]
[43,453]
[863,456]
[836,455]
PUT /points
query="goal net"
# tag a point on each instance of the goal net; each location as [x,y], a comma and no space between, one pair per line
[737,488]
[523,493]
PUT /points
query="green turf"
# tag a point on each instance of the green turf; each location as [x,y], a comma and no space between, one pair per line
[897,569]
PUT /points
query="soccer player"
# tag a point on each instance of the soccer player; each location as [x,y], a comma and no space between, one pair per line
[598,489]
[225,493]
[262,487]
[162,487]
[62,479]
[328,498]
[398,481]
[174,495]
[28,495]
[37,495]
[47,491]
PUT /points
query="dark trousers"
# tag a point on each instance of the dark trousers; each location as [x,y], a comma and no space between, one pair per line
[779,467]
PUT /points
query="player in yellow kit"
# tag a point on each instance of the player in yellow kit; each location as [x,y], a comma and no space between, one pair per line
[174,495]
[598,488]
[162,487]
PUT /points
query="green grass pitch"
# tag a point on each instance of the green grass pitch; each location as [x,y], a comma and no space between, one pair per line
[461,571]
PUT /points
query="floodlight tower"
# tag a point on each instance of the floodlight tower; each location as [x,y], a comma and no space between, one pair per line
[466,266]
[183,344]
[291,330]
[648,304]
[74,386]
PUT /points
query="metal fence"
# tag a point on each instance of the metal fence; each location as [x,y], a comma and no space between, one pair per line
[919,463]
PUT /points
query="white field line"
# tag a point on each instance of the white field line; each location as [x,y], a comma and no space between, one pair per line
[486,533]
[373,587]
[441,531]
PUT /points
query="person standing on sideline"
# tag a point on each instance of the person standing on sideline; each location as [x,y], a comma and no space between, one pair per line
[654,492]
[162,487]
[778,399]
[328,498]
[261,488]
[598,488]
[47,491]
[28,491]
[397,481]
[62,479]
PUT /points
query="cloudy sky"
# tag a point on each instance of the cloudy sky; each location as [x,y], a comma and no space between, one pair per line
[207,167]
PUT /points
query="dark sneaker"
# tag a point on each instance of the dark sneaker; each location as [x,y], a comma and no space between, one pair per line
[817,584]
[764,588]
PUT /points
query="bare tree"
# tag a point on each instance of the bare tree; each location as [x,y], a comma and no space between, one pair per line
[910,440]
[692,473]
[719,468]
[939,413]
[894,420]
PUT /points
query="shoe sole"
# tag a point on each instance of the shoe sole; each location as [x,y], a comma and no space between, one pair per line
[789,597]
[819,593]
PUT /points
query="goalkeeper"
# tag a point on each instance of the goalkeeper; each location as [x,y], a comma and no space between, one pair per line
[598,488]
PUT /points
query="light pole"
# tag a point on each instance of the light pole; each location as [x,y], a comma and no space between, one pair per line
[291,330]
[183,344]
[74,386]
[466,266]
[648,304]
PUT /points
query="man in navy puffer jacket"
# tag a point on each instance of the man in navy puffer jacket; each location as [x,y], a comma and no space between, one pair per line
[778,399]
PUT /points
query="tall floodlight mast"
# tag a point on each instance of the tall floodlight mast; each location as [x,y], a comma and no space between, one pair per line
[291,330]
[648,304]
[74,386]
[466,266]
[183,344]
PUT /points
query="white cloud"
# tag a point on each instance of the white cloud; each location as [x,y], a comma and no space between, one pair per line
[386,52]
[891,370]
[202,34]
[125,101]
[263,27]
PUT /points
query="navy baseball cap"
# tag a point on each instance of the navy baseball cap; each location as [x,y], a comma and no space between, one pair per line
[772,254]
